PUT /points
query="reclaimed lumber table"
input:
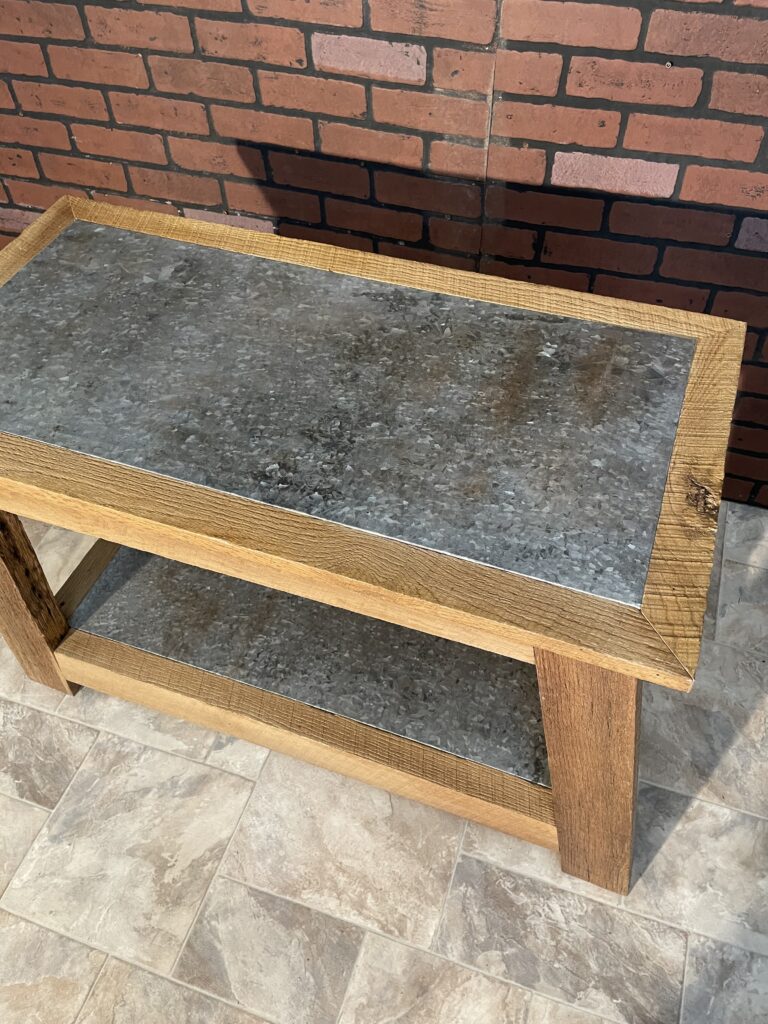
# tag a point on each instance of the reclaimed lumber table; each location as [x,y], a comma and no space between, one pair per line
[345,502]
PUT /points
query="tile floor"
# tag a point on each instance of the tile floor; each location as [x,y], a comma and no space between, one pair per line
[152,871]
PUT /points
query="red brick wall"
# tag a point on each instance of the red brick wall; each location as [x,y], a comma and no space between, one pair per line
[611,146]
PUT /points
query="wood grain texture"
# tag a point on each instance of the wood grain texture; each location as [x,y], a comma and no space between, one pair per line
[591,724]
[450,597]
[410,769]
[34,238]
[30,619]
[84,575]
[361,572]
[676,587]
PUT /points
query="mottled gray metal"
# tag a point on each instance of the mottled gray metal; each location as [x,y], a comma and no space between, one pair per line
[471,703]
[534,443]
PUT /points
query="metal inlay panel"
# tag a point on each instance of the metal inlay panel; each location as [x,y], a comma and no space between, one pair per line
[534,443]
[468,702]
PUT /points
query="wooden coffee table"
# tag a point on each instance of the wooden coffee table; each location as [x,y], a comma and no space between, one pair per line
[282,434]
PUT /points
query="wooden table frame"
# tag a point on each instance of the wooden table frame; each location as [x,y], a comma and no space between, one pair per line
[589,652]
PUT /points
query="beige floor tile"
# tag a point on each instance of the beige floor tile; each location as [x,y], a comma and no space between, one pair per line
[19,824]
[396,983]
[701,867]
[237,756]
[39,754]
[269,955]
[544,1011]
[527,859]
[16,686]
[742,613]
[713,741]
[44,978]
[59,552]
[746,538]
[128,995]
[724,985]
[346,848]
[126,857]
[562,945]
[138,723]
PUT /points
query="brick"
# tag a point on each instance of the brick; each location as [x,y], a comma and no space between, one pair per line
[134,203]
[754,379]
[202,78]
[272,202]
[3,194]
[725,187]
[30,193]
[752,346]
[82,171]
[185,188]
[462,70]
[14,221]
[151,30]
[457,159]
[751,466]
[455,234]
[361,57]
[18,162]
[439,259]
[344,13]
[531,207]
[217,158]
[104,67]
[738,490]
[21,59]
[469,21]
[515,243]
[6,239]
[263,44]
[33,131]
[6,100]
[753,234]
[225,6]
[752,309]
[693,34]
[598,253]
[751,410]
[571,279]
[625,81]
[571,24]
[366,144]
[425,194]
[720,140]
[125,145]
[232,220]
[430,112]
[762,498]
[320,174]
[518,164]
[70,100]
[157,112]
[257,126]
[373,220]
[547,122]
[749,439]
[657,293]
[528,73]
[715,267]
[615,174]
[307,92]
[678,223]
[322,235]
[740,94]
[40,18]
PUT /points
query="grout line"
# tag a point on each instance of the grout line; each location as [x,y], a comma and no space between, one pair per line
[91,987]
[685,976]
[214,876]
[352,973]
[705,800]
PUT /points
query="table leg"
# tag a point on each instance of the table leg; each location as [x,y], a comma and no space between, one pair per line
[591,722]
[30,619]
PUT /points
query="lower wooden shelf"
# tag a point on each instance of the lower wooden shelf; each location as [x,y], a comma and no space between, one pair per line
[426,718]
